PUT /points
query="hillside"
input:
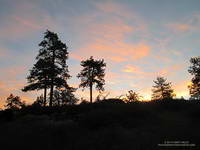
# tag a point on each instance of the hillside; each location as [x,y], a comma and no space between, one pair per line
[106,125]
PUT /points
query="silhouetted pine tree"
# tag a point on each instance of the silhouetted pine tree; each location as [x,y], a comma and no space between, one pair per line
[40,101]
[56,101]
[195,71]
[93,72]
[64,96]
[39,77]
[57,52]
[162,89]
[14,102]
[67,96]
[132,96]
[50,69]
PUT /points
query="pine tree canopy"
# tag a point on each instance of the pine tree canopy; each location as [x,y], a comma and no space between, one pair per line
[162,89]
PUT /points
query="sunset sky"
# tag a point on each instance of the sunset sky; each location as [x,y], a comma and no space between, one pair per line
[139,40]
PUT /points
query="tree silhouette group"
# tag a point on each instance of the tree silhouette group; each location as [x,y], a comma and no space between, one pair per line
[50,72]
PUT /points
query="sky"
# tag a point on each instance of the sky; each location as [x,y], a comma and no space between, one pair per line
[138,39]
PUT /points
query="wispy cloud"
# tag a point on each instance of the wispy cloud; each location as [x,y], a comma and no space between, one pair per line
[177,27]
[25,19]
[3,52]
[11,82]
[108,38]
[132,69]
[186,24]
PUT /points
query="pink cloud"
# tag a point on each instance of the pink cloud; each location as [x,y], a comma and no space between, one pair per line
[14,86]
[132,69]
[107,38]
[140,73]
[117,52]
[108,41]
[170,71]
[112,78]
[28,23]
[117,59]
[26,19]
[176,27]
[10,83]
[186,24]
[114,8]
[12,72]
[2,53]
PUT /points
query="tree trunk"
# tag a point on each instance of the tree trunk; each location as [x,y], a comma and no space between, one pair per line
[45,95]
[58,102]
[90,92]
[162,92]
[52,80]
[51,93]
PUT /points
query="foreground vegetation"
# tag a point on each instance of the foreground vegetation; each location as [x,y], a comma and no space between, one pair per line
[106,125]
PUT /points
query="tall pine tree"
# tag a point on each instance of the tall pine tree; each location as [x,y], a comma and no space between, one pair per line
[50,69]
[93,72]
[162,89]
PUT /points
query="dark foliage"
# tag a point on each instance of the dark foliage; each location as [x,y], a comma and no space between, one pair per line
[39,77]
[132,97]
[108,124]
[194,70]
[64,97]
[93,72]
[40,101]
[51,69]
[162,89]
[14,102]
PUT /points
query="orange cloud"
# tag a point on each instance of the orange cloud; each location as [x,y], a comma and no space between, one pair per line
[14,86]
[163,58]
[112,78]
[10,73]
[132,69]
[162,72]
[28,23]
[180,27]
[10,83]
[26,19]
[113,8]
[111,31]
[170,70]
[109,42]
[107,38]
[2,53]
[117,59]
[189,23]
[117,52]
